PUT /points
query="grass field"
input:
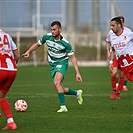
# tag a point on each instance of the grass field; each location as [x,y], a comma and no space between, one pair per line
[98,114]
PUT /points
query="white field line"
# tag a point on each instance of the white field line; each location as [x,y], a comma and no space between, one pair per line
[30,85]
[40,95]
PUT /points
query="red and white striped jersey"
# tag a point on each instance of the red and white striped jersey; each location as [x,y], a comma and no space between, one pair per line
[122,43]
[7,45]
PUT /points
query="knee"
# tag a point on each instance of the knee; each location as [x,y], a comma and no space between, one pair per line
[114,73]
[56,83]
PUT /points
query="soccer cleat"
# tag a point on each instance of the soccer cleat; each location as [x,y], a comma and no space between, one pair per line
[62,109]
[125,88]
[80,99]
[112,95]
[117,96]
[10,126]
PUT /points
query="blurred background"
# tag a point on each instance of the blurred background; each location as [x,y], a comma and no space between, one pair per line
[85,24]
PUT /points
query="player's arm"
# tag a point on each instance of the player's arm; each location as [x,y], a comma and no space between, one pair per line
[108,45]
[111,61]
[75,64]
[16,55]
[112,54]
[14,48]
[108,50]
[32,48]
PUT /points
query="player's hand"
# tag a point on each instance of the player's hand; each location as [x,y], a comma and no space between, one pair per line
[78,78]
[26,55]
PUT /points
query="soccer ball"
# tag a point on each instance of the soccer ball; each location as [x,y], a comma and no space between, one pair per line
[21,105]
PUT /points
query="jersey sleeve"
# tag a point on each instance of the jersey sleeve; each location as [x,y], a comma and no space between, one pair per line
[13,45]
[43,40]
[132,35]
[108,39]
[108,36]
[69,49]
[68,46]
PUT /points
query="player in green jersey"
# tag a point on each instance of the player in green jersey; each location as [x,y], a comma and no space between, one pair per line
[59,51]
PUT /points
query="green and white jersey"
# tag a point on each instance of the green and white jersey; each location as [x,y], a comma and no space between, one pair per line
[57,50]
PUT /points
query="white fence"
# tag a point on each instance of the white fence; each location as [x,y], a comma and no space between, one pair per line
[88,47]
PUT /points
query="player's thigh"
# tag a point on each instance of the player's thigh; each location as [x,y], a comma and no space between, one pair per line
[60,72]
[3,77]
[58,77]
[61,68]
[6,80]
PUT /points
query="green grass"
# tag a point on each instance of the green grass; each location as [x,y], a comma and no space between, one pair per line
[98,114]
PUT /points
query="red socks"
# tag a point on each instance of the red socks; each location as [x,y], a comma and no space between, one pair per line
[121,83]
[5,107]
[113,82]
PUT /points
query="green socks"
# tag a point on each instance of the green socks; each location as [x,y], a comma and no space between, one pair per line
[61,98]
[125,83]
[71,92]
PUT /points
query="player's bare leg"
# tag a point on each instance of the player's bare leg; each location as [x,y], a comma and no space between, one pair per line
[5,107]
[60,90]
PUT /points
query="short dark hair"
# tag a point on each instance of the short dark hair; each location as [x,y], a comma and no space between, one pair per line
[56,23]
[117,20]
[122,18]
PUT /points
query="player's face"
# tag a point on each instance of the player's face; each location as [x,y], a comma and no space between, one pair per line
[115,27]
[55,31]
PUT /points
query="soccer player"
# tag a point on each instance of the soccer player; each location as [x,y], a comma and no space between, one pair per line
[9,56]
[121,41]
[114,76]
[59,51]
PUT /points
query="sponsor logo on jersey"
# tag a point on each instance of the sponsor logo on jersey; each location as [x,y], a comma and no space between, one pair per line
[124,37]
[120,44]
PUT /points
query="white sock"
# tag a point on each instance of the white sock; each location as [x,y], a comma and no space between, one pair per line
[116,84]
[10,120]
[78,93]
[63,106]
